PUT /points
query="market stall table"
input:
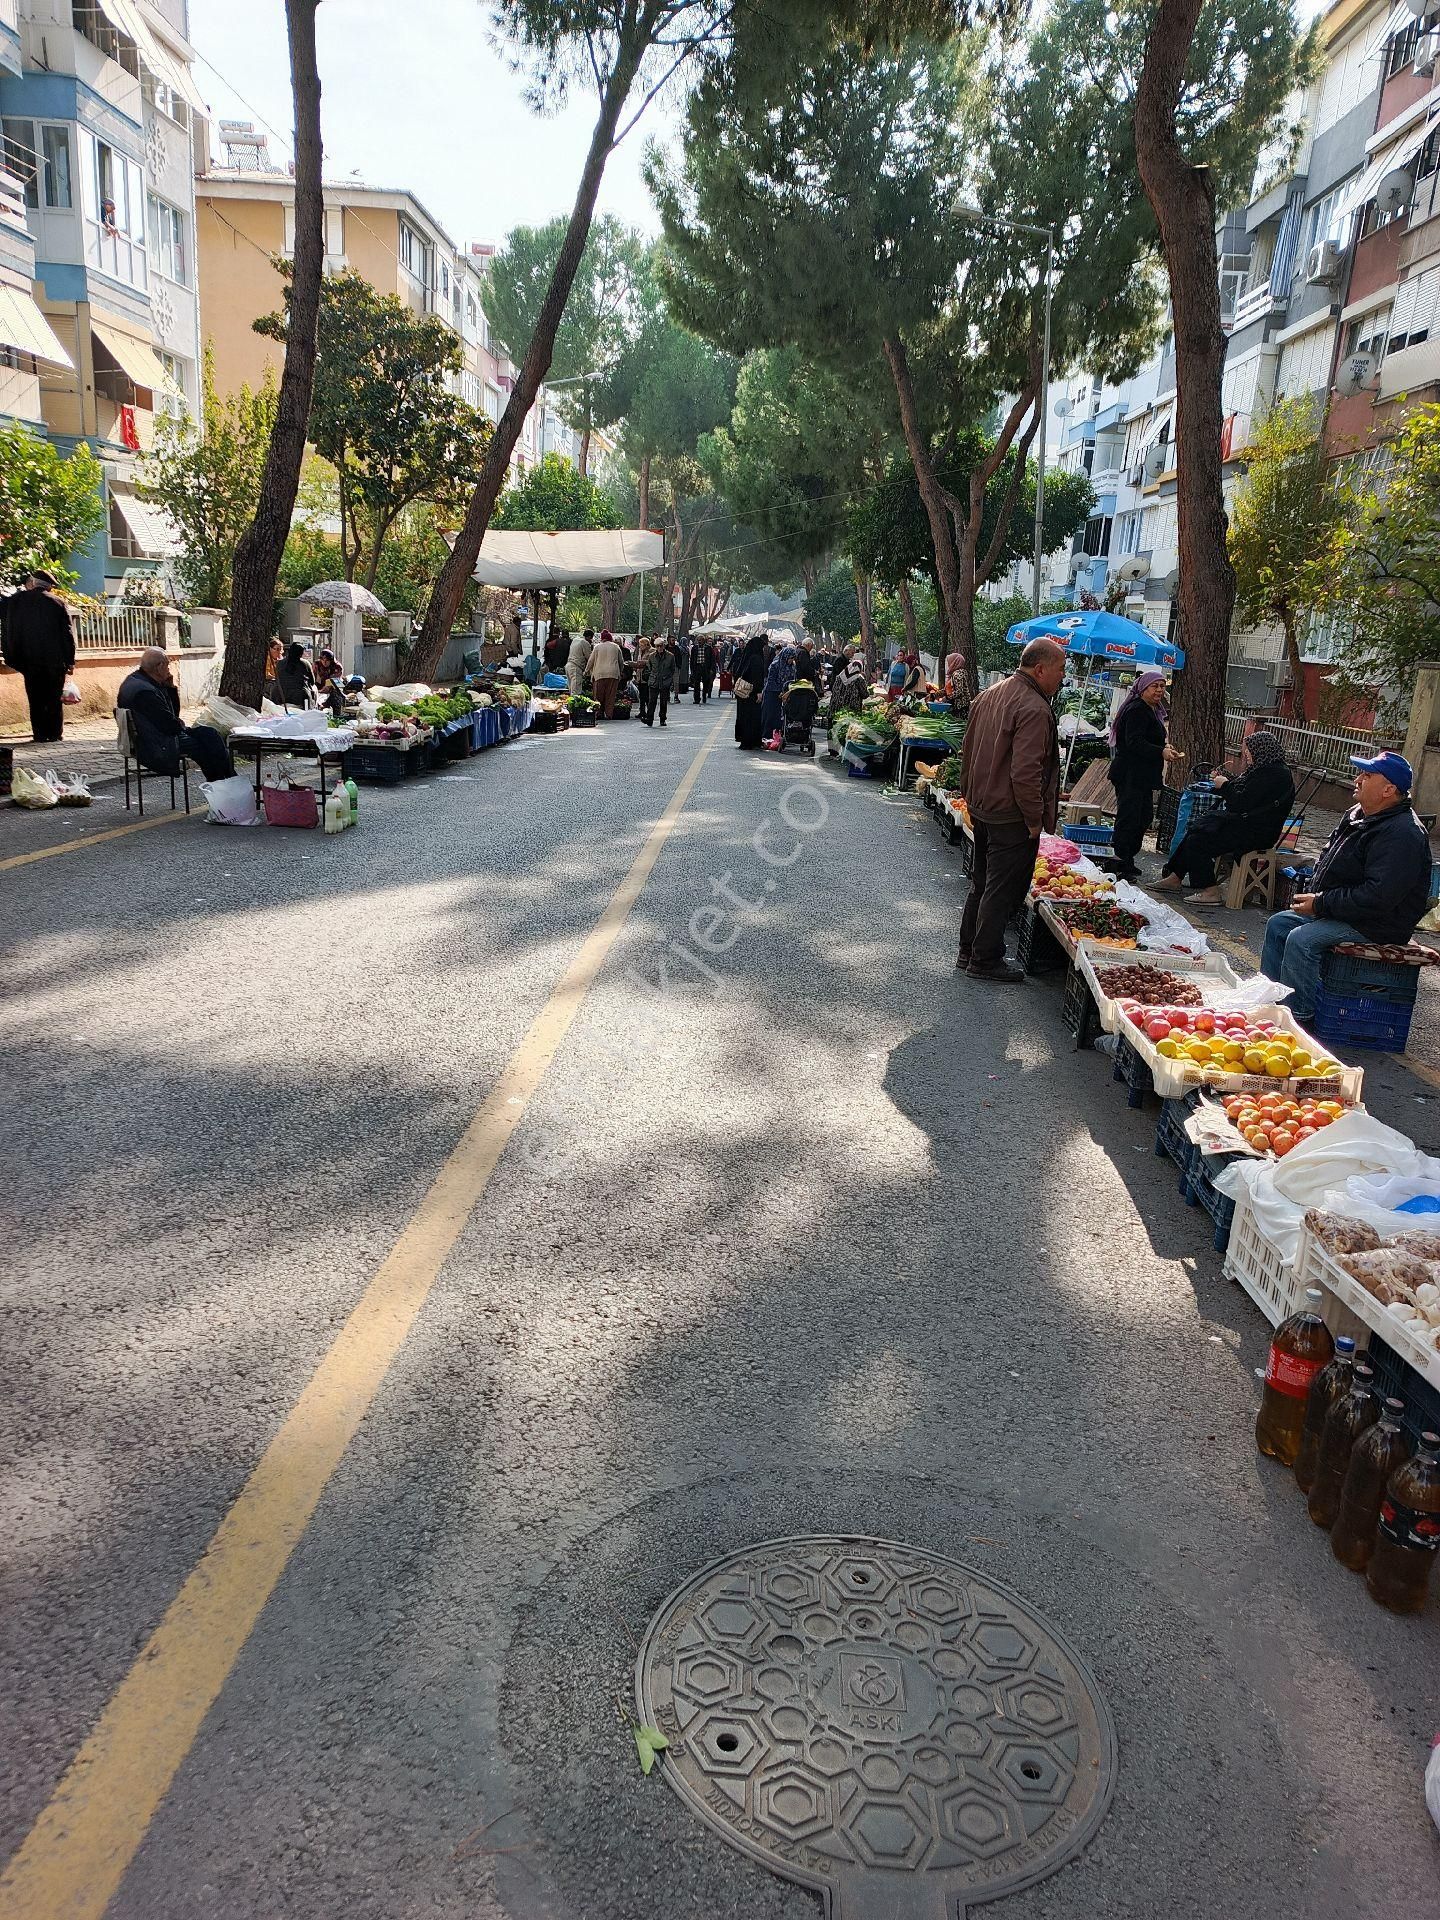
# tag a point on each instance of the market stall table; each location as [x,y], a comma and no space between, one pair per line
[255,743]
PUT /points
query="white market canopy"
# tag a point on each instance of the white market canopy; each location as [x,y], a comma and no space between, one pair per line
[529,560]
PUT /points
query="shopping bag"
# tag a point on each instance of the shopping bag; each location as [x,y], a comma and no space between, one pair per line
[29,789]
[71,696]
[231,801]
[225,715]
[71,791]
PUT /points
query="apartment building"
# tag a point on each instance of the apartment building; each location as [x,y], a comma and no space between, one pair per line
[245,221]
[100,116]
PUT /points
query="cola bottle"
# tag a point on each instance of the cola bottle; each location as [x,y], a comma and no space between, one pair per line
[1408,1535]
[1377,1454]
[1300,1348]
[1325,1390]
[1357,1410]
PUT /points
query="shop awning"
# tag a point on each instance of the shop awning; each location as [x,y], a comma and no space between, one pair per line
[126,17]
[135,356]
[526,560]
[23,325]
[151,526]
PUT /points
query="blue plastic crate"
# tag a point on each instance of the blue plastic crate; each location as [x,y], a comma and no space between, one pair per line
[1130,1068]
[1435,880]
[1344,976]
[1092,836]
[1358,1020]
[1396,1377]
[1172,1141]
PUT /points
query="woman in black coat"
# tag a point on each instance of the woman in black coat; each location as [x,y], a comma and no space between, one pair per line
[750,667]
[1252,813]
[1137,766]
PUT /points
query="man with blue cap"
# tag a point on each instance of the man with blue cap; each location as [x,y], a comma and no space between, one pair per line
[1372,882]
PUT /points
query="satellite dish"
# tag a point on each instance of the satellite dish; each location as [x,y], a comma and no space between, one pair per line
[1419,8]
[1395,190]
[1354,374]
[1064,407]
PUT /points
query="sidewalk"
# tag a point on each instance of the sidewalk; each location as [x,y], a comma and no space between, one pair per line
[88,748]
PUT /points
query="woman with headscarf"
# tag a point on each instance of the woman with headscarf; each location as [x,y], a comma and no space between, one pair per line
[749,669]
[294,681]
[772,710]
[1252,812]
[1137,766]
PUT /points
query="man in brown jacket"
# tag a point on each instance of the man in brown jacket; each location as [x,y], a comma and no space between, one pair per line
[1011,782]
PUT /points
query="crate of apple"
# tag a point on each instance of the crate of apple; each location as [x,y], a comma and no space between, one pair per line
[1272,1124]
[1228,1043]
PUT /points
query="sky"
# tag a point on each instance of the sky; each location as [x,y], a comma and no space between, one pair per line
[416,96]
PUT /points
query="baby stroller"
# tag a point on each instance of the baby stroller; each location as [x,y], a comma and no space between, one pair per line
[801,703]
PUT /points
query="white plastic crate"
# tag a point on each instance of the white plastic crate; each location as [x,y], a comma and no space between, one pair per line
[1363,1314]
[1254,1262]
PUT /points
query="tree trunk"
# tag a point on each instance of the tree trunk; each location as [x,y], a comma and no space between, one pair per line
[867,625]
[645,491]
[585,451]
[257,557]
[455,574]
[1183,199]
[1295,692]
[970,517]
[809,575]
[907,614]
[955,607]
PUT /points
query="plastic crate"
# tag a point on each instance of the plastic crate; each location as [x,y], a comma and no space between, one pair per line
[1395,1376]
[1038,950]
[1362,1020]
[1254,1262]
[1130,1068]
[1435,880]
[1095,836]
[1172,1142]
[1078,1010]
[1346,977]
[380,766]
[1219,1206]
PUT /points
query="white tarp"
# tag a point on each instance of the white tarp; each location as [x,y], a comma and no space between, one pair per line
[523,560]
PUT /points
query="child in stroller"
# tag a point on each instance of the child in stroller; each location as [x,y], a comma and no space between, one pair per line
[800,702]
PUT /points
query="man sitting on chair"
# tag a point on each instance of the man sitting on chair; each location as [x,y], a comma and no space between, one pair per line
[161,738]
[1371,883]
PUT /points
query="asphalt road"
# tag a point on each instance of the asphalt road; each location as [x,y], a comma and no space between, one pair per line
[804,1236]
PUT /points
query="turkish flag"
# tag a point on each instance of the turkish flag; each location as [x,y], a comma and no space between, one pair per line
[129,433]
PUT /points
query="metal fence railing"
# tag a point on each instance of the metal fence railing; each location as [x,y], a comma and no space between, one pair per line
[126,630]
[1309,747]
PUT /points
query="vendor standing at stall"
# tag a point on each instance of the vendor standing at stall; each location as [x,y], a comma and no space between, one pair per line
[1138,752]
[607,664]
[577,665]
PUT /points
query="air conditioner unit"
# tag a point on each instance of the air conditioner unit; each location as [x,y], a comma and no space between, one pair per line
[1427,52]
[1157,459]
[1323,262]
[1395,191]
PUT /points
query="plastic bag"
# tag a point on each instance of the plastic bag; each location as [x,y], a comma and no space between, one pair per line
[225,715]
[1252,994]
[71,696]
[71,792]
[231,801]
[1057,850]
[29,789]
[1432,1782]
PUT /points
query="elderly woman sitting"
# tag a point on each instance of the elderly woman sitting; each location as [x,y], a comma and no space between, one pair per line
[1250,818]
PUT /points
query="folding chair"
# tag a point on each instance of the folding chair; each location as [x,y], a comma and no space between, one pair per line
[125,740]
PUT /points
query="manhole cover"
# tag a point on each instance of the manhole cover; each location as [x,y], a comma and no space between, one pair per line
[885,1726]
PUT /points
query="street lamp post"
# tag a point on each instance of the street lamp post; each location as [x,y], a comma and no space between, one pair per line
[978,214]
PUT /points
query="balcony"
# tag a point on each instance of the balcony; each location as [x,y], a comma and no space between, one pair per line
[1258,304]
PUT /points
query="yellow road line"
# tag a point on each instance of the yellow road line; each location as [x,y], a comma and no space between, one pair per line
[75,1856]
[94,839]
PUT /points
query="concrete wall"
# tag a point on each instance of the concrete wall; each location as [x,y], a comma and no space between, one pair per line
[235,240]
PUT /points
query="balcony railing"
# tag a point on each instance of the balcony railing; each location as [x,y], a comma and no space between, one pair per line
[1308,747]
[1254,306]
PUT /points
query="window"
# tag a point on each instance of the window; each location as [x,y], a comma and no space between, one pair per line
[416,255]
[472,316]
[1129,534]
[1234,272]
[38,154]
[1369,334]
[492,402]
[1413,320]
[163,97]
[91,23]
[1097,535]
[470,389]
[172,403]
[123,544]
[444,281]
[1323,640]
[1401,50]
[111,186]
[1319,219]
[166,225]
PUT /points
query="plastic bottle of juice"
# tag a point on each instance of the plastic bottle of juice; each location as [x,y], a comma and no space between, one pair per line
[1353,1414]
[1301,1347]
[1325,1390]
[1408,1537]
[353,795]
[1377,1454]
